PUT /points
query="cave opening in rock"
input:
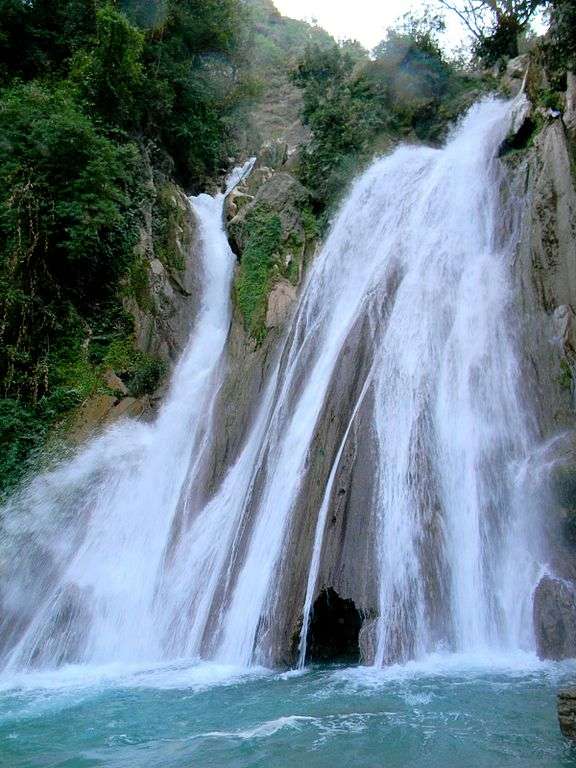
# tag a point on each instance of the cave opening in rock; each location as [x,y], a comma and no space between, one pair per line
[334,630]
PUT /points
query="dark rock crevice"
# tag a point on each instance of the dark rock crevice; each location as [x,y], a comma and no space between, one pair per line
[333,634]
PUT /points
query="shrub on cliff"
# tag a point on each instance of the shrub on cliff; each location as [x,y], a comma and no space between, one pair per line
[252,285]
[353,101]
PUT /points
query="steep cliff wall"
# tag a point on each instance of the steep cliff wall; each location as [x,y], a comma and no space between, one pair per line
[162,300]
[543,177]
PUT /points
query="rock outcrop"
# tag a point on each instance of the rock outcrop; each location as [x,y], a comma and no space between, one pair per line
[567,713]
[166,304]
[555,619]
[545,270]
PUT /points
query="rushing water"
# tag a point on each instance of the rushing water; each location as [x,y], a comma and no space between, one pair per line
[118,570]
[442,714]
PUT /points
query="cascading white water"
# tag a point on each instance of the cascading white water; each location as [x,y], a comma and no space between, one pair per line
[451,422]
[422,251]
[134,475]
[449,419]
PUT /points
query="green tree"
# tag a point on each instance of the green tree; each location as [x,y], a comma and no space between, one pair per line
[110,73]
[68,223]
[562,40]
[494,25]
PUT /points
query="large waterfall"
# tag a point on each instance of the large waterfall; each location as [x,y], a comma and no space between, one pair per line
[119,555]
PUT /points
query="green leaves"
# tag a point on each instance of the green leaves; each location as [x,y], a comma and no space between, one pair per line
[89,91]
[353,103]
[253,283]
[110,73]
[68,223]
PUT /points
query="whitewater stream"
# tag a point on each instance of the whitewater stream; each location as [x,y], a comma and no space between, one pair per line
[141,618]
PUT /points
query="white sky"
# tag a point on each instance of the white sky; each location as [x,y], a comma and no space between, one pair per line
[363,20]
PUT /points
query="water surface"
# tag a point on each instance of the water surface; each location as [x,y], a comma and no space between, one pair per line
[444,713]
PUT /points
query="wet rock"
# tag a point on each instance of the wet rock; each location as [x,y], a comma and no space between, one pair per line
[566,704]
[64,636]
[564,324]
[367,642]
[554,219]
[555,619]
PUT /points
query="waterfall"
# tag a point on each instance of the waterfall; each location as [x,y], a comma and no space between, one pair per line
[137,565]
[124,489]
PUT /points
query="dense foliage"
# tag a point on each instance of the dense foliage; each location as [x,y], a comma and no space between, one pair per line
[90,92]
[354,104]
[264,238]
[562,44]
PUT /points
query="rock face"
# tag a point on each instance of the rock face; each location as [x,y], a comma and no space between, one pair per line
[165,310]
[555,619]
[280,303]
[567,713]
[163,307]
[545,270]
[570,111]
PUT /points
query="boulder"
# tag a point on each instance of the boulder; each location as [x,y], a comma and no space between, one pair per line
[280,302]
[554,612]
[566,704]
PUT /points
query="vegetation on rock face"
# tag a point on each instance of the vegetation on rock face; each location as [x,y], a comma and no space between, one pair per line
[355,104]
[91,93]
[264,237]
[561,49]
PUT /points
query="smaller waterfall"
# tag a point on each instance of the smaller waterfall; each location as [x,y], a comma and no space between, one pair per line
[120,496]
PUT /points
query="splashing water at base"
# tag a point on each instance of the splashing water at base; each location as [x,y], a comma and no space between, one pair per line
[455,712]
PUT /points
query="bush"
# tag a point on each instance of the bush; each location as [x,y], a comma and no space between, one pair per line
[253,282]
[110,72]
[352,101]
[21,431]
[140,372]
[69,220]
